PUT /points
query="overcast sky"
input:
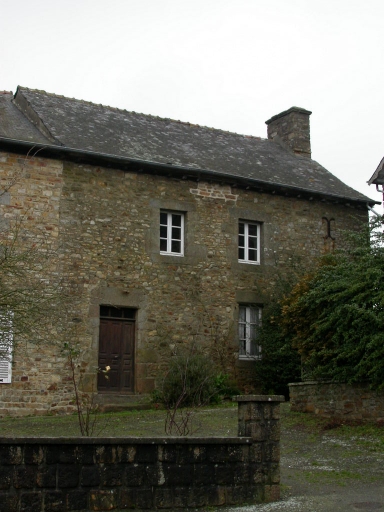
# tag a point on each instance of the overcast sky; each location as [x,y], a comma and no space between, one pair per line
[229,64]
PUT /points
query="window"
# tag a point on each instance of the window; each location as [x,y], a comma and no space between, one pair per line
[249,242]
[6,345]
[249,321]
[171,233]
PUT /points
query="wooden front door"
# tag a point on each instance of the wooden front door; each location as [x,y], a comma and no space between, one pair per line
[116,350]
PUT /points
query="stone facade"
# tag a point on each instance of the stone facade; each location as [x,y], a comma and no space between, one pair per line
[90,474]
[103,226]
[343,402]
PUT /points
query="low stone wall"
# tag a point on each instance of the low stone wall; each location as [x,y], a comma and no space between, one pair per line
[339,401]
[89,474]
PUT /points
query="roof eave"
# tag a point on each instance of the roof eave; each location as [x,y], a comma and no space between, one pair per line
[378,176]
[132,164]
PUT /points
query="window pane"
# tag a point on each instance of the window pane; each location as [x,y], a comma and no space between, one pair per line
[252,243]
[176,246]
[252,255]
[104,311]
[242,313]
[241,228]
[176,220]
[163,218]
[241,253]
[163,231]
[253,348]
[252,229]
[163,245]
[176,233]
[241,241]
[242,332]
[254,314]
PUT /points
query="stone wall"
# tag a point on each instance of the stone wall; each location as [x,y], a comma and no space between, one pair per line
[30,202]
[354,402]
[89,474]
[104,225]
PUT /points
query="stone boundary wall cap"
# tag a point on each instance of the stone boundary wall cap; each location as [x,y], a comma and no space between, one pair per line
[259,398]
[123,440]
[314,383]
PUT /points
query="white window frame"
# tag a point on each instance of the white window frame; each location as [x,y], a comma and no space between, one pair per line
[247,237]
[168,237]
[249,349]
[6,346]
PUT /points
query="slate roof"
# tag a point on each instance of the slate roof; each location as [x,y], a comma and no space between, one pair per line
[14,125]
[40,117]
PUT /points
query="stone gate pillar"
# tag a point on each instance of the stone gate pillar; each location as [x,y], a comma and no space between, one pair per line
[259,418]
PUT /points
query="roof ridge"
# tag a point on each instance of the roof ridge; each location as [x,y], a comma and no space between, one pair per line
[167,119]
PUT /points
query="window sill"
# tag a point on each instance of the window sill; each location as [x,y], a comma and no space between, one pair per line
[249,358]
[249,262]
[171,254]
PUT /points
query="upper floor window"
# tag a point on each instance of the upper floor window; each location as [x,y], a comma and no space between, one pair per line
[171,233]
[249,242]
[249,322]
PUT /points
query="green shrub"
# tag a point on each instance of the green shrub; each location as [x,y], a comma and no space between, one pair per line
[190,381]
[280,363]
[156,396]
[225,386]
[336,315]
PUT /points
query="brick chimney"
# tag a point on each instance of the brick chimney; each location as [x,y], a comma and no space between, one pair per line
[291,127]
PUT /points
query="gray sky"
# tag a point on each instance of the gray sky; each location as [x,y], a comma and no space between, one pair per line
[229,64]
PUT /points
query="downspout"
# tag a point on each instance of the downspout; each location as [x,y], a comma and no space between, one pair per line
[373,211]
[380,190]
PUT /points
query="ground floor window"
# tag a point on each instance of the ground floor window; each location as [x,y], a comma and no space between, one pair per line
[249,322]
[6,346]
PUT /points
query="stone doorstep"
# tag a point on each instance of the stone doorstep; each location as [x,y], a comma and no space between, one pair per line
[114,402]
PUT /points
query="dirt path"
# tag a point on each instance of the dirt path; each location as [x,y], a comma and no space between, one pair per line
[326,471]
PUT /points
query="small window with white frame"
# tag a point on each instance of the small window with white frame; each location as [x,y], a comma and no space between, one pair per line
[249,242]
[249,323]
[171,233]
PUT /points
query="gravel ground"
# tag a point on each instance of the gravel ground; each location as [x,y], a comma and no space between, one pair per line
[326,470]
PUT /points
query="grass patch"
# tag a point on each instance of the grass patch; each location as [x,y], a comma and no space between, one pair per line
[212,421]
[338,477]
[301,421]
[220,420]
[368,437]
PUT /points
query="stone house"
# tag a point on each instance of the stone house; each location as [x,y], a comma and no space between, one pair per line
[165,234]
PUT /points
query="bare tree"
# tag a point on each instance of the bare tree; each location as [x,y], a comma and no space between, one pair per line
[30,289]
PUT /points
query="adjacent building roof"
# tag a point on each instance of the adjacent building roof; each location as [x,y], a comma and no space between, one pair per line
[74,127]
[378,176]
